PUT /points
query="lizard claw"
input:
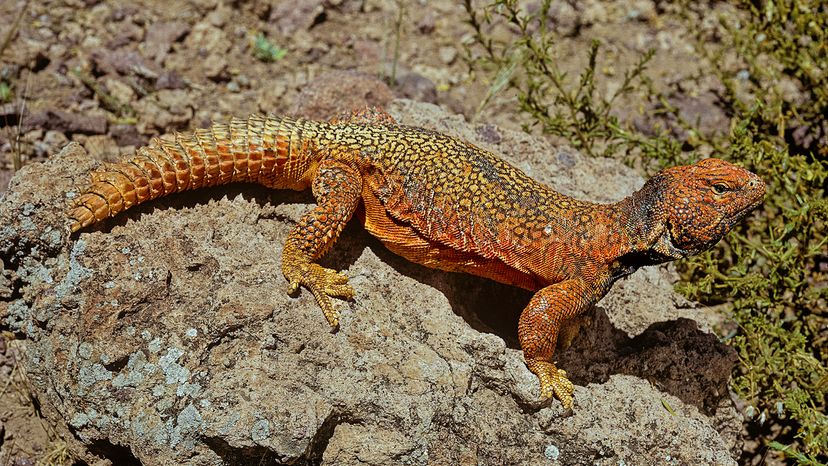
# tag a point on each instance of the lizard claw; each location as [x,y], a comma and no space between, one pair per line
[553,382]
[323,283]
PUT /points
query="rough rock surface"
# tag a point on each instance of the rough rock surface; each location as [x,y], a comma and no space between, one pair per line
[165,336]
[330,94]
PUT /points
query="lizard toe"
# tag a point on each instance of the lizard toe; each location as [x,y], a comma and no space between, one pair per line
[563,388]
[341,290]
[323,283]
[553,382]
[331,314]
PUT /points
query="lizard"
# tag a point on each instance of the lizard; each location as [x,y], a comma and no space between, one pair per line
[444,203]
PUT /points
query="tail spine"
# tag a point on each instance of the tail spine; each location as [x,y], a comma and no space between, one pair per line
[275,152]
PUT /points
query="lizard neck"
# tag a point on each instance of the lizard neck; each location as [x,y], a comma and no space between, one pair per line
[642,218]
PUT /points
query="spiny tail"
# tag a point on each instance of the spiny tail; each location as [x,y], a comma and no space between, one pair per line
[275,152]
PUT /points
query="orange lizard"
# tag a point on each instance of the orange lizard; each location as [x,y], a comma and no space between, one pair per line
[443,203]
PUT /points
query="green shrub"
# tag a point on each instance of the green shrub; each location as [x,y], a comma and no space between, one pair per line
[781,46]
[574,111]
[267,51]
[5,92]
[770,270]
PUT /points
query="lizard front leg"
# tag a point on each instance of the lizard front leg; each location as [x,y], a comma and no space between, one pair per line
[538,330]
[337,188]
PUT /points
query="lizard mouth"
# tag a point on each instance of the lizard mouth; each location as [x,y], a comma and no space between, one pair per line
[666,249]
[749,208]
[668,246]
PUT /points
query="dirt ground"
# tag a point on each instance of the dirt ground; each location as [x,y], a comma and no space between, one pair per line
[112,75]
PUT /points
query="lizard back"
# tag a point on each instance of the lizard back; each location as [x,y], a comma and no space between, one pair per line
[455,193]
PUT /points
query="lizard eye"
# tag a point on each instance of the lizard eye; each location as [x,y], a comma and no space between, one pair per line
[719,188]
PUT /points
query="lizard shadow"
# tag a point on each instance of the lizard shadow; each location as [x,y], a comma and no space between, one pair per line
[188,199]
[676,356]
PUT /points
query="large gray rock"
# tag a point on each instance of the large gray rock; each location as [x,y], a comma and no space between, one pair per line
[166,335]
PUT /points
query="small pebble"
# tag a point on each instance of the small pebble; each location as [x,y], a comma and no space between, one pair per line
[447,54]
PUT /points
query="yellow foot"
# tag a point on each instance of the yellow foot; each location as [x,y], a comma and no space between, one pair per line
[553,382]
[323,283]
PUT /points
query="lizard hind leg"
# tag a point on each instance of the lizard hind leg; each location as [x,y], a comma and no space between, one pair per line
[541,323]
[337,188]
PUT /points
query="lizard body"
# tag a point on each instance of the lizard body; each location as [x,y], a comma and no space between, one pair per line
[443,203]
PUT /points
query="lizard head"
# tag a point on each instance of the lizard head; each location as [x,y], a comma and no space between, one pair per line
[702,202]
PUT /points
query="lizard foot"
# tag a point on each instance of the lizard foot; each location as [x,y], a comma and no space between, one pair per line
[323,283]
[553,382]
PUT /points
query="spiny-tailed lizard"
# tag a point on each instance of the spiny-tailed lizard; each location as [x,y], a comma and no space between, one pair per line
[443,203]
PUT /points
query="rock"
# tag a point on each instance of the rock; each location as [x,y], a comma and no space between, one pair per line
[5,177]
[811,137]
[688,363]
[207,38]
[447,55]
[271,96]
[22,461]
[489,133]
[101,147]
[417,87]
[340,91]
[5,292]
[122,61]
[565,18]
[594,12]
[67,122]
[28,52]
[120,13]
[287,18]
[166,336]
[121,91]
[128,33]
[221,15]
[642,10]
[214,67]
[10,114]
[170,80]
[370,52]
[617,419]
[701,110]
[167,109]
[127,135]
[160,37]
[427,23]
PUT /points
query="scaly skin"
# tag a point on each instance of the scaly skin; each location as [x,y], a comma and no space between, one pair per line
[443,203]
